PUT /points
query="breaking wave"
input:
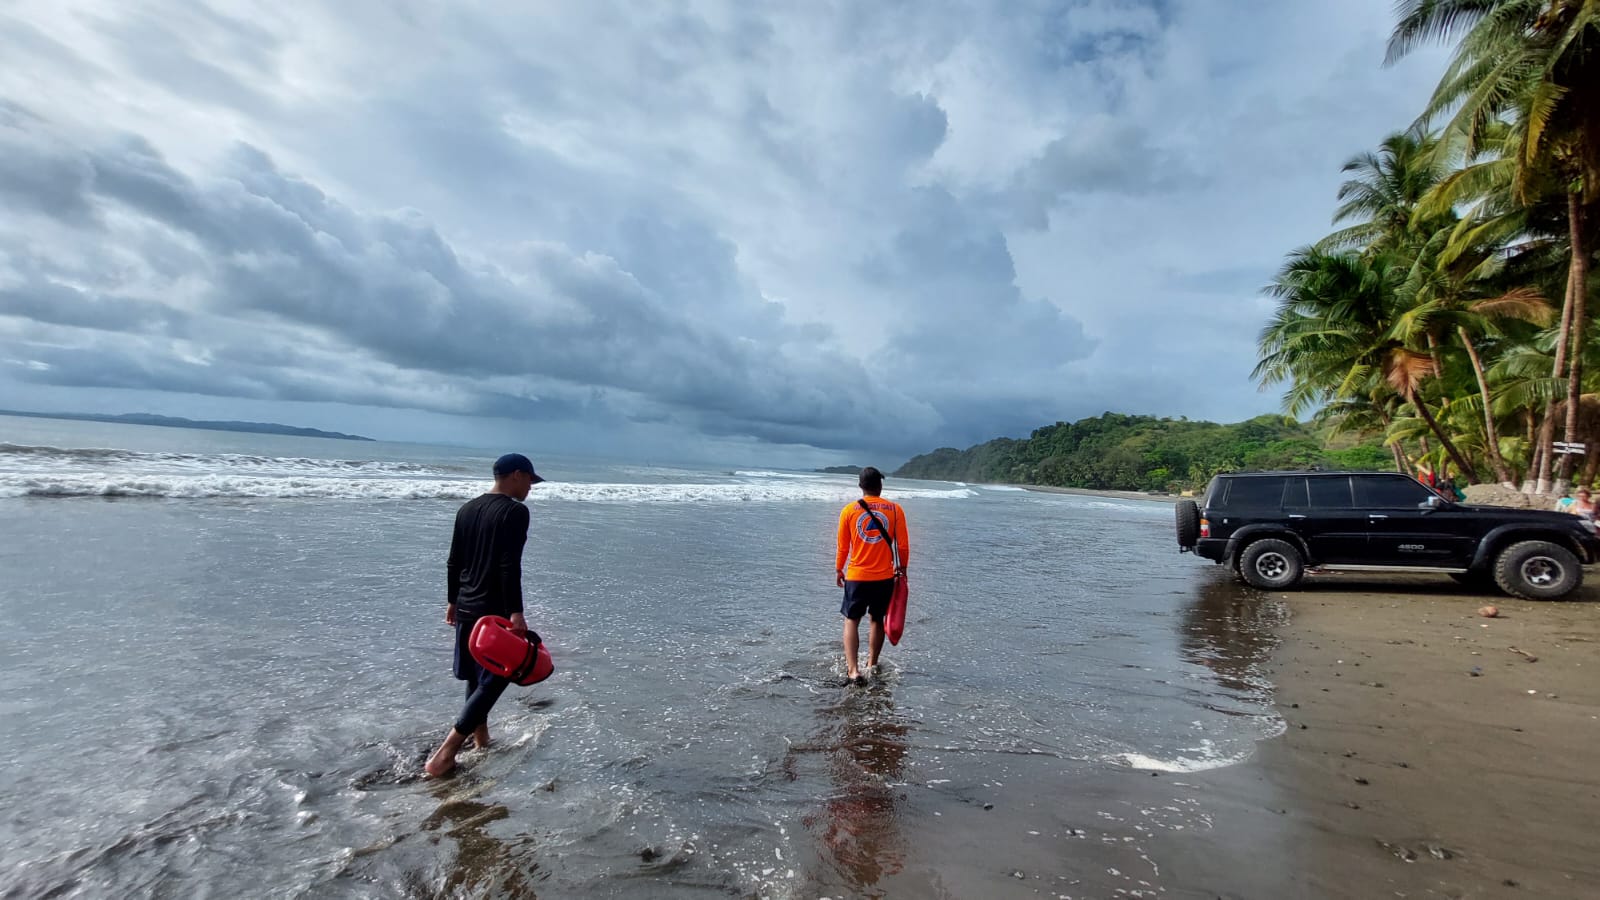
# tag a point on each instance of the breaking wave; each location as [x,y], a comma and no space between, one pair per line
[33,471]
[247,486]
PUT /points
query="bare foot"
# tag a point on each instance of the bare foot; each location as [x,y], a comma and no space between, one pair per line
[443,759]
[439,765]
[479,739]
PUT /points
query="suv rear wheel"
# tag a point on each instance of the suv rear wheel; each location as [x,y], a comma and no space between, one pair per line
[1271,564]
[1188,514]
[1537,570]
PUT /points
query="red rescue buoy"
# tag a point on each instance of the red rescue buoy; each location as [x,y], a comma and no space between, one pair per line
[501,650]
[895,623]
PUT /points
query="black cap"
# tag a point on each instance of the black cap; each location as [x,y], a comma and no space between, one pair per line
[515,462]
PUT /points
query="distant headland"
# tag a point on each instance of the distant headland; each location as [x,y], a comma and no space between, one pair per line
[180,422]
[840,470]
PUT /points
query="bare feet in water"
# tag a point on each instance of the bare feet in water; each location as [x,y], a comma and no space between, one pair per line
[443,759]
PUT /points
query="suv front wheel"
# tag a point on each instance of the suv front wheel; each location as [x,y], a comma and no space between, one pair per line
[1537,570]
[1271,564]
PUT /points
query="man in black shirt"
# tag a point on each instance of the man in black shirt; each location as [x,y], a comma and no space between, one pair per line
[484,578]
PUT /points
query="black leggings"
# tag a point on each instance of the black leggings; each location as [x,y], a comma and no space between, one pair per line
[481,697]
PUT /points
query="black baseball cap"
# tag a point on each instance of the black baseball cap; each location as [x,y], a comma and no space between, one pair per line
[515,462]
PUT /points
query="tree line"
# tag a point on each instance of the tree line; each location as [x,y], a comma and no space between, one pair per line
[1448,314]
[1143,453]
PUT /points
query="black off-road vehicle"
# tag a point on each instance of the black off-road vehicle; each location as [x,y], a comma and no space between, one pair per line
[1270,527]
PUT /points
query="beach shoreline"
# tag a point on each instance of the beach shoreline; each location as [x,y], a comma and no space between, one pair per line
[1423,756]
[1094,492]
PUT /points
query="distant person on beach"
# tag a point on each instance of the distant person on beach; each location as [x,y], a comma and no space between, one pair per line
[1580,504]
[864,566]
[484,577]
[1426,475]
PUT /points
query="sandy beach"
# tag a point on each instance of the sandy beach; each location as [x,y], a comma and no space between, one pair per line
[1423,756]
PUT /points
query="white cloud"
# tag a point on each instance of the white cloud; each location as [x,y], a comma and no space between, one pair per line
[867,226]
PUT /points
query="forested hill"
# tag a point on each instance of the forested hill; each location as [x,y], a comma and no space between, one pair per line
[1139,453]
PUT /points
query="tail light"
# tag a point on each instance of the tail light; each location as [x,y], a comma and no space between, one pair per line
[1205,528]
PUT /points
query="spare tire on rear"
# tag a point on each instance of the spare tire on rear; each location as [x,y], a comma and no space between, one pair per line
[1188,524]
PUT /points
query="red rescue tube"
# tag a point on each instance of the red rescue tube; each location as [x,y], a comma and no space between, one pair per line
[501,650]
[895,621]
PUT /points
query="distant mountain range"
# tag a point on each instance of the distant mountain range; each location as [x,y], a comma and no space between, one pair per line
[180,422]
[841,470]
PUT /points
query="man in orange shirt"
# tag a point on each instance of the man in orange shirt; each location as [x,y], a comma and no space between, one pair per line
[872,531]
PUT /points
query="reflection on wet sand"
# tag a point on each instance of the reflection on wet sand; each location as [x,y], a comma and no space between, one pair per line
[1230,629]
[857,828]
[484,865]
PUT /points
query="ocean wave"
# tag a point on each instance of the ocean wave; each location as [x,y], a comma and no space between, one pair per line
[290,487]
[1189,759]
[55,458]
[765,474]
[1004,489]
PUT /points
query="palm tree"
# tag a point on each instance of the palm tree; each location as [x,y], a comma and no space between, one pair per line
[1331,337]
[1381,197]
[1532,65]
[1451,290]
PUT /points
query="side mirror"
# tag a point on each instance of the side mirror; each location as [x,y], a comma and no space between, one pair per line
[1432,503]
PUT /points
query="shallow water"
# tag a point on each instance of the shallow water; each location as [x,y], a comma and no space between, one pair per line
[231,690]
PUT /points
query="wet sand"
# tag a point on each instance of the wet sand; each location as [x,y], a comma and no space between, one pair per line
[1422,756]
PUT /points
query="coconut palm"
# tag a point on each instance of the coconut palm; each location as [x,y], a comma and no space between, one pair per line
[1453,291]
[1529,69]
[1332,337]
[1381,196]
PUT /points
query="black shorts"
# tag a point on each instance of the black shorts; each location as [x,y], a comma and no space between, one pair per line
[465,667]
[861,597]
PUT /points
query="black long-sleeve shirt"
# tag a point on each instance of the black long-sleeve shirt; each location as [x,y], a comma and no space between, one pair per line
[485,566]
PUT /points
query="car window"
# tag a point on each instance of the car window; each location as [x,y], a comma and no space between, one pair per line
[1294,493]
[1390,490]
[1330,492]
[1255,493]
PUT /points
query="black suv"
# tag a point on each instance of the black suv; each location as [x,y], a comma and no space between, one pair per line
[1269,527]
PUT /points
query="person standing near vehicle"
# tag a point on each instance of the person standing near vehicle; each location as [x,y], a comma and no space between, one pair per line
[864,566]
[1579,504]
[484,577]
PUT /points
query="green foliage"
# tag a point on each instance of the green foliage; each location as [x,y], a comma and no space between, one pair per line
[1142,453]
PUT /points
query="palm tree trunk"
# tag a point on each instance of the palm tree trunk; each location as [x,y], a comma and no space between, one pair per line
[1577,295]
[1531,420]
[1395,450]
[1491,436]
[1547,426]
[1462,465]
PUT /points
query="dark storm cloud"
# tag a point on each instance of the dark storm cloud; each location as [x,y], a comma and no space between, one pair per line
[393,287]
[881,226]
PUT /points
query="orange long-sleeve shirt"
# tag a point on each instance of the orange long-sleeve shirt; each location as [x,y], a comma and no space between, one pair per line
[863,548]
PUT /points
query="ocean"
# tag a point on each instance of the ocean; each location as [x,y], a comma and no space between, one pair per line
[225,660]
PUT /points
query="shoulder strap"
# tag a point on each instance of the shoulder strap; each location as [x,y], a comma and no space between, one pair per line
[877,523]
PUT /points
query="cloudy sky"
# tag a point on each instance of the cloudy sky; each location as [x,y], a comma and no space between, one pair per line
[800,231]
